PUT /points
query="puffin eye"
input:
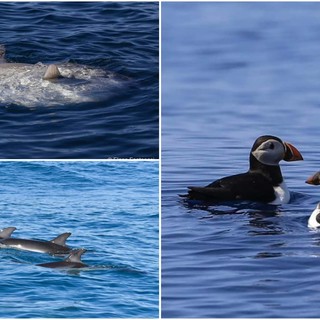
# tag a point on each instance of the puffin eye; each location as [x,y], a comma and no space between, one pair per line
[271,145]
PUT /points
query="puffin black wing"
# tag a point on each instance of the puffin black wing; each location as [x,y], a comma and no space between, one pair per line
[246,186]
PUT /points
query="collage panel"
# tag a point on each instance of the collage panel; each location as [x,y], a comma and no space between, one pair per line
[79,239]
[79,80]
[79,155]
[240,170]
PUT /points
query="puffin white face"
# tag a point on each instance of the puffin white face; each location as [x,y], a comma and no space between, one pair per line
[314,220]
[270,152]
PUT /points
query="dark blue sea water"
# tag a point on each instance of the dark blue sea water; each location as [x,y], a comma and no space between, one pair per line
[230,73]
[111,209]
[112,111]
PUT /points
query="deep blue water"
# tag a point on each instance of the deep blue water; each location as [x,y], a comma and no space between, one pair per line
[111,209]
[51,120]
[230,73]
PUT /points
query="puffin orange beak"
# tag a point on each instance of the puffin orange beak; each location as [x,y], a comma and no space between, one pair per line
[291,153]
[315,179]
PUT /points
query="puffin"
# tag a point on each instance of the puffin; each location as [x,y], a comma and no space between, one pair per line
[314,219]
[263,182]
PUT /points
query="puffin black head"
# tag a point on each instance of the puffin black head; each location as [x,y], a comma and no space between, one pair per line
[270,150]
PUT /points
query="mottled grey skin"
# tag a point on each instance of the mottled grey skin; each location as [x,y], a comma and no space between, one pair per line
[2,53]
[9,65]
[56,246]
[73,261]
[52,72]
[5,64]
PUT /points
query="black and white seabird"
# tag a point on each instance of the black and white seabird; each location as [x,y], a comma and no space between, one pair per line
[314,219]
[263,182]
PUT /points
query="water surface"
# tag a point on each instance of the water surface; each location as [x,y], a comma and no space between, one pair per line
[112,111]
[111,209]
[230,73]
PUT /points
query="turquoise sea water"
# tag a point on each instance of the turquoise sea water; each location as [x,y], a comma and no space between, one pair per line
[111,209]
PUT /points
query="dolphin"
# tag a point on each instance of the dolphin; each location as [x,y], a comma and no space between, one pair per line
[6,232]
[56,246]
[72,261]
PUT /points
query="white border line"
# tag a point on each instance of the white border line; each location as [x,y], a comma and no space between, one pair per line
[84,160]
[160,160]
[115,159]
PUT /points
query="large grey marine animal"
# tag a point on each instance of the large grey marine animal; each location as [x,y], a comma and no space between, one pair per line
[66,83]
[52,72]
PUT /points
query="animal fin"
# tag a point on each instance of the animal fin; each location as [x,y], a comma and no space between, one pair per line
[61,239]
[6,232]
[52,72]
[2,52]
[75,255]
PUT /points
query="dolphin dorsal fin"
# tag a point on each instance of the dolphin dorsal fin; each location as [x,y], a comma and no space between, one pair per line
[61,239]
[6,232]
[52,72]
[75,255]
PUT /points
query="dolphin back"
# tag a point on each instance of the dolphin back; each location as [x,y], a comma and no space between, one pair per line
[35,246]
[72,261]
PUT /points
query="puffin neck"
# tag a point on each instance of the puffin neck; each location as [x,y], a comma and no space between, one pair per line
[271,172]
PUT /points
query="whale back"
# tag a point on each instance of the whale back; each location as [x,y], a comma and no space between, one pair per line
[78,84]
